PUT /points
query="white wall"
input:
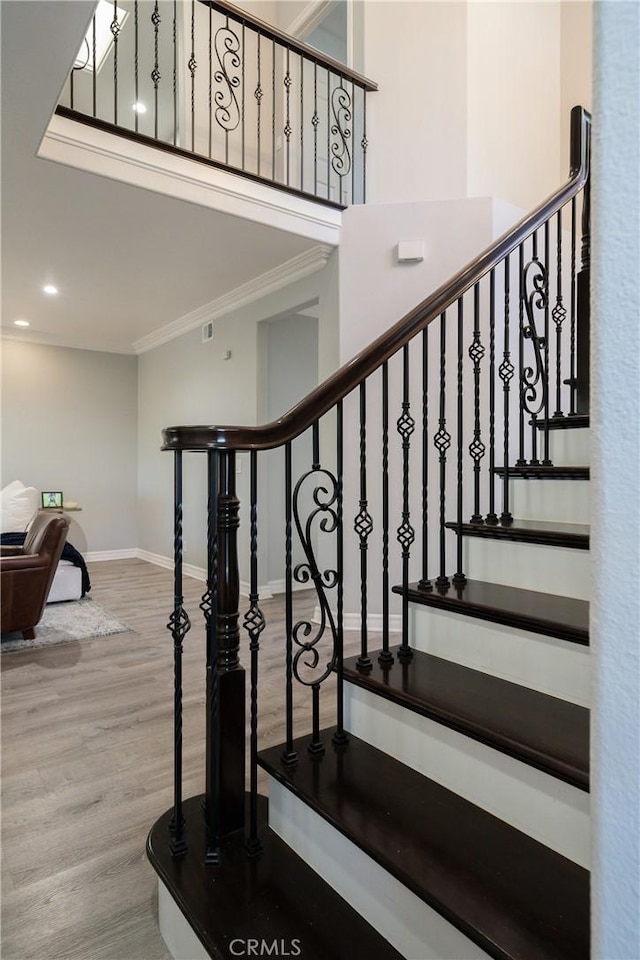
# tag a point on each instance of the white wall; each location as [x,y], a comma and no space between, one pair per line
[69,422]
[576,38]
[187,382]
[513,100]
[615,610]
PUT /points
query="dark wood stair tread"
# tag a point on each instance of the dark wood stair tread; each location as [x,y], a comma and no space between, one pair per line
[554,616]
[530,471]
[543,731]
[575,421]
[277,897]
[508,893]
[548,532]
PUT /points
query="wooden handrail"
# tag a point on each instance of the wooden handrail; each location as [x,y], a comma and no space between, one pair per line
[341,383]
[304,49]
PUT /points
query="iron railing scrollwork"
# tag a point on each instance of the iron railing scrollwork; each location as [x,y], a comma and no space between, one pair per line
[215,78]
[499,372]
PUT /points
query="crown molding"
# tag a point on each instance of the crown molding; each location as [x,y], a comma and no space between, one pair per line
[303,265]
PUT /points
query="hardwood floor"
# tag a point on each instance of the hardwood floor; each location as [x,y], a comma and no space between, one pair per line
[87,748]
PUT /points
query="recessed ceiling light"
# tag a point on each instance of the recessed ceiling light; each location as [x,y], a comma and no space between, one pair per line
[50,289]
[139,107]
[21,323]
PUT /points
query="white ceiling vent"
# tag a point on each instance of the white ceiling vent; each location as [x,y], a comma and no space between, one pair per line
[207,331]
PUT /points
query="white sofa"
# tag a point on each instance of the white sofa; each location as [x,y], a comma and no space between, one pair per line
[19,505]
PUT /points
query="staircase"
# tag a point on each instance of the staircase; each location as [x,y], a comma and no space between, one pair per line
[445,814]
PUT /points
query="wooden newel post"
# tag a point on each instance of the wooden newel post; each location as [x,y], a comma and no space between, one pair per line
[583,374]
[230,674]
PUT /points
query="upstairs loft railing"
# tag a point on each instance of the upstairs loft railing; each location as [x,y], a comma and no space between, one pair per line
[384,465]
[207,80]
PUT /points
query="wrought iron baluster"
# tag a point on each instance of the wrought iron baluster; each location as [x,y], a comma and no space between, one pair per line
[363,526]
[287,127]
[227,48]
[385,657]
[492,517]
[301,121]
[545,372]
[315,120]
[115,30]
[328,134]
[259,94]
[559,314]
[178,625]
[307,636]
[353,162]
[340,736]
[442,442]
[341,107]
[192,64]
[209,607]
[572,349]
[136,96]
[476,447]
[583,314]
[155,73]
[254,624]
[535,380]
[364,144]
[506,372]
[406,533]
[289,755]
[175,72]
[242,84]
[425,583]
[521,461]
[273,110]
[459,576]
[94,77]
[210,90]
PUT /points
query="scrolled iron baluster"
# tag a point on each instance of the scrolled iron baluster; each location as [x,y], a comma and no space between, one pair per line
[306,636]
[534,392]
[341,107]
[227,47]
[559,315]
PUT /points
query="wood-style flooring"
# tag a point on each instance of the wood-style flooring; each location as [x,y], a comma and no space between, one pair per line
[87,760]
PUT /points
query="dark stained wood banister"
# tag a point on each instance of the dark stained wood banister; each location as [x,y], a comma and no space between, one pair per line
[351,374]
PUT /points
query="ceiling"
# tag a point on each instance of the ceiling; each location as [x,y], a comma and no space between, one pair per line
[126,261]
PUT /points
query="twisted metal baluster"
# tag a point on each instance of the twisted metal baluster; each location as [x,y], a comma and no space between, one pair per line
[136,96]
[442,442]
[406,533]
[289,755]
[155,73]
[546,460]
[340,736]
[573,384]
[492,517]
[258,94]
[178,625]
[175,72]
[559,314]
[192,65]
[287,127]
[363,525]
[385,657]
[521,461]
[459,577]
[115,30]
[506,372]
[209,609]
[476,447]
[425,583]
[254,624]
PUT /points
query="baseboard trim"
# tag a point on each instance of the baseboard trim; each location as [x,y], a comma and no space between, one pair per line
[96,556]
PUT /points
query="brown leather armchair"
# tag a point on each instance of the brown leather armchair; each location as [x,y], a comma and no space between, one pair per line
[26,573]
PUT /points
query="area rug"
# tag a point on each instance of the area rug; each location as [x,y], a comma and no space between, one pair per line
[64,622]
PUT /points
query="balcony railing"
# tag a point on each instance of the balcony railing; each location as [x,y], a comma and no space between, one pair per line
[206,80]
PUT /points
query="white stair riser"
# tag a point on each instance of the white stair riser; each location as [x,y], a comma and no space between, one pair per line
[565,501]
[557,667]
[549,810]
[569,448]
[412,927]
[531,566]
[178,934]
